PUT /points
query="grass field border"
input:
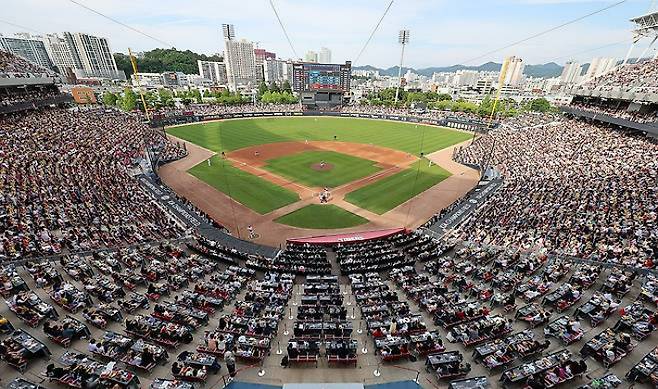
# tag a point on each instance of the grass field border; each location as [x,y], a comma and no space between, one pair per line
[399,187]
[321,216]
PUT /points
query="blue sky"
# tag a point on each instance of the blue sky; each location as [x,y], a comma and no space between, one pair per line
[443,32]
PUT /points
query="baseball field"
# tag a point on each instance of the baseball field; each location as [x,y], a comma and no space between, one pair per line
[280,167]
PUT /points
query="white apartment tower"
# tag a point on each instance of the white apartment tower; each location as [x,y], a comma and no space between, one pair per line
[213,71]
[29,47]
[514,74]
[311,56]
[599,66]
[239,58]
[465,78]
[325,55]
[571,73]
[276,70]
[62,53]
[86,55]
[240,62]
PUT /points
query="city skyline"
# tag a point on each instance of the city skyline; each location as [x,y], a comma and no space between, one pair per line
[453,35]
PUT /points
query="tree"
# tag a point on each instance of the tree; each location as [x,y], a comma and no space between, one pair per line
[288,98]
[110,99]
[443,97]
[166,97]
[128,100]
[274,87]
[539,105]
[196,95]
[151,99]
[162,60]
[267,97]
[486,106]
[262,88]
[286,86]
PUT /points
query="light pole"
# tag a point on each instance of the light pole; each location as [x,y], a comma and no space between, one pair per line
[403,39]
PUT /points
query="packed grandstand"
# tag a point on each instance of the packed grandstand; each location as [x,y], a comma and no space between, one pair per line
[552,280]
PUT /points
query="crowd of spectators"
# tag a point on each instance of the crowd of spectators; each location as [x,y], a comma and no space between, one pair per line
[617,112]
[216,109]
[640,76]
[22,95]
[65,187]
[420,113]
[12,66]
[571,188]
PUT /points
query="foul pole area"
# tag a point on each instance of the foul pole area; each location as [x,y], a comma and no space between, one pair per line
[133,61]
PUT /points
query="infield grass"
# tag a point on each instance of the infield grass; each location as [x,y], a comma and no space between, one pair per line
[231,135]
[250,190]
[322,216]
[389,192]
[344,168]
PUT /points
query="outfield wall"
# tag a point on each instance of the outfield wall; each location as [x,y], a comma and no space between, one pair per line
[450,122]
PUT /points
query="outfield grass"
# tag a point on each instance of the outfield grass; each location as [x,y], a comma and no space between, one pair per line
[298,168]
[325,216]
[252,191]
[387,193]
[230,135]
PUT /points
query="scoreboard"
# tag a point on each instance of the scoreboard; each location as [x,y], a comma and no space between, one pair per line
[321,77]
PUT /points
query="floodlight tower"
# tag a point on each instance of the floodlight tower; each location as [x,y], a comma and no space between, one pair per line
[229,31]
[403,39]
[646,26]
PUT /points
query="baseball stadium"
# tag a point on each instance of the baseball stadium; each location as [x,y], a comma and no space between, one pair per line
[308,224]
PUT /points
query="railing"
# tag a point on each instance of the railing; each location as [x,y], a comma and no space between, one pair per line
[606,118]
[417,380]
[56,257]
[34,104]
[227,379]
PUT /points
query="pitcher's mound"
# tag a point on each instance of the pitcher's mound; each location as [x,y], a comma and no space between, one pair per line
[319,167]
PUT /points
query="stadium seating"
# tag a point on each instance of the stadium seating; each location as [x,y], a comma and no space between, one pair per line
[641,76]
[76,194]
[14,66]
[563,245]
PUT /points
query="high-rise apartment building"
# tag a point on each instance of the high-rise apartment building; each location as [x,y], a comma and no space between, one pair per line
[86,55]
[325,55]
[571,73]
[239,58]
[240,62]
[599,66]
[311,56]
[514,73]
[260,55]
[465,77]
[29,47]
[277,71]
[213,71]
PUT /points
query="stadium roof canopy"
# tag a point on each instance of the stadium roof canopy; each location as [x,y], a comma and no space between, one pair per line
[646,25]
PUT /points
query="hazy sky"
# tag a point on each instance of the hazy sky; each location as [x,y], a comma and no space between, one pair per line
[443,32]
